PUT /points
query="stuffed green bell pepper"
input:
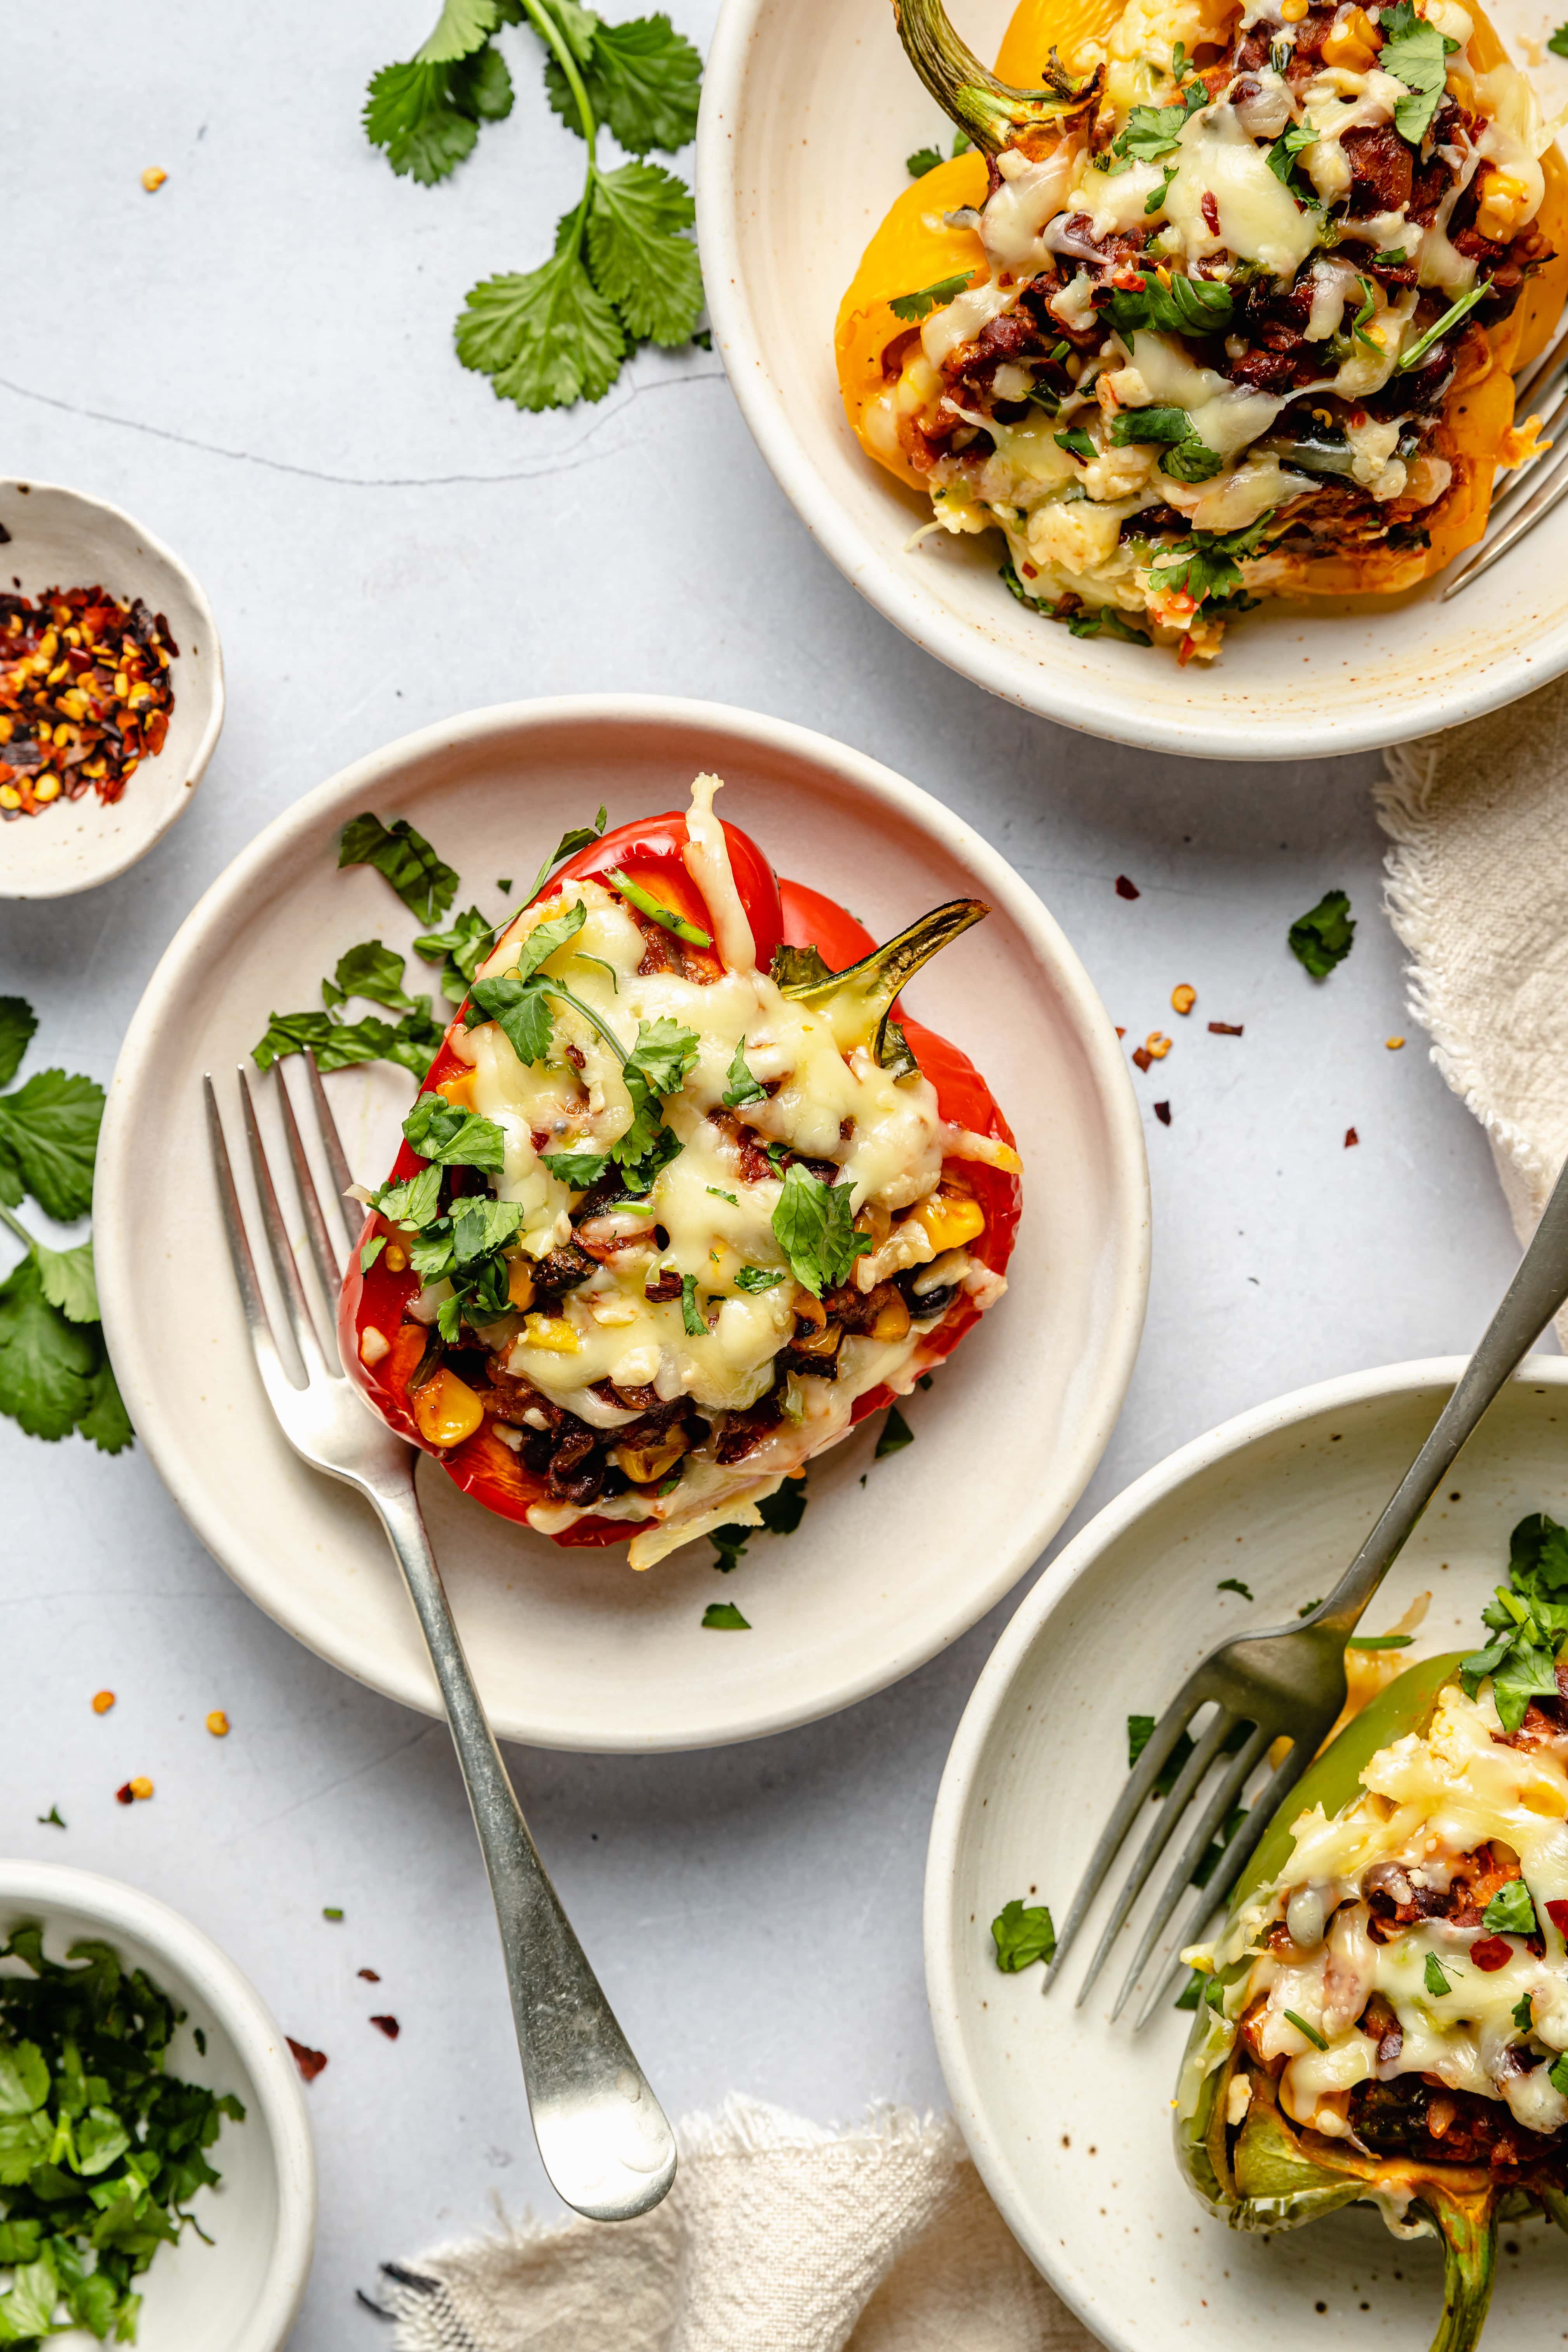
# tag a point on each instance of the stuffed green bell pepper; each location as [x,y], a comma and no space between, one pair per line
[1384,2014]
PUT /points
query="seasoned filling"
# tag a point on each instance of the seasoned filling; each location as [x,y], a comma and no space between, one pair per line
[1226,314]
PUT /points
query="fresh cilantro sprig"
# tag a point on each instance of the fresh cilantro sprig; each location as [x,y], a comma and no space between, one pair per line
[1207,564]
[55,1373]
[1152,131]
[1324,935]
[814,1224]
[101,2148]
[1527,1618]
[1415,53]
[913,308]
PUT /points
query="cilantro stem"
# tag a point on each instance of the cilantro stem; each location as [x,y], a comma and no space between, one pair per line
[1450,317]
[18,1227]
[550,32]
[554,988]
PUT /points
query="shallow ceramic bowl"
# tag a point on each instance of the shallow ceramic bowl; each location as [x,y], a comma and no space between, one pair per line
[54,538]
[809,108]
[571,1649]
[1070,2117]
[241,2292]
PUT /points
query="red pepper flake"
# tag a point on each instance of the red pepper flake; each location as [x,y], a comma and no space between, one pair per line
[389,2026]
[1352,1139]
[1210,212]
[84,696]
[126,1795]
[309,2061]
[371,1976]
[1558,1915]
[1126,889]
[1142,1057]
[1163,1113]
[1224,1028]
[1119,1031]
[1491,1953]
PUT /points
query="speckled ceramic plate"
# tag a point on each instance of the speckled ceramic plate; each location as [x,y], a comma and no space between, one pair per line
[571,1648]
[1068,2118]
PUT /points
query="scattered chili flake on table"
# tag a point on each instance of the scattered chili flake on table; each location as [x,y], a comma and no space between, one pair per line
[1224,1028]
[1126,889]
[1163,1113]
[1351,1137]
[389,2026]
[309,2061]
[84,696]
[371,1976]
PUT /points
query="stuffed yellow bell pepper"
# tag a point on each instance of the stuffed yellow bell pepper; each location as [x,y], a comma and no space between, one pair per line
[1218,303]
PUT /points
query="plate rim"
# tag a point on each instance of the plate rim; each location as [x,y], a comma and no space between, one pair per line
[1123,1318]
[1092,708]
[133,851]
[990,1694]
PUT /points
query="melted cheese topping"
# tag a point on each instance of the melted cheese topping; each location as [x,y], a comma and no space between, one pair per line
[831,1102]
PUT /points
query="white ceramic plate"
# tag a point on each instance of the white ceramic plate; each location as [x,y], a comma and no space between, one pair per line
[809,108]
[54,538]
[241,2292]
[1069,2118]
[571,1648]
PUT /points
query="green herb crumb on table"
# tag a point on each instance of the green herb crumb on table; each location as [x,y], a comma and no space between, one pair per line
[1324,935]
[625,268]
[101,2150]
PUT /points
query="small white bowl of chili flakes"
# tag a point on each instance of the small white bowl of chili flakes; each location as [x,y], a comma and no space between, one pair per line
[111,689]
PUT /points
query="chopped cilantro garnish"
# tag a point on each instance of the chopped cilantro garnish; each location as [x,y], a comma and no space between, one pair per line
[51,1820]
[719,1193]
[1184,306]
[1557,2074]
[814,1224]
[422,880]
[1206,563]
[1233,1584]
[1149,424]
[1077,443]
[1524,2013]
[370,1252]
[1558,43]
[690,1313]
[459,951]
[580,1170]
[757,1278]
[449,1137]
[1156,200]
[913,308]
[1324,935]
[895,1435]
[1415,53]
[1529,1618]
[743,1087]
[1023,1936]
[575,837]
[1292,141]
[1152,131]
[1436,1983]
[1395,260]
[1510,1911]
[1302,2026]
[723,1617]
[1434,334]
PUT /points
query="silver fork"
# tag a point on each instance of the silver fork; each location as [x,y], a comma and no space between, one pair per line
[1290,1683]
[1532,493]
[601,2134]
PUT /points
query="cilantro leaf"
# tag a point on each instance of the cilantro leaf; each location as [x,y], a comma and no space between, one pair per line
[757,1278]
[1186,305]
[896,1433]
[690,1313]
[18,1023]
[546,337]
[723,1617]
[545,938]
[581,1170]
[374,972]
[1292,141]
[463,26]
[923,159]
[783,1513]
[1077,443]
[425,114]
[1558,43]
[1416,54]
[1023,1936]
[46,1363]
[422,880]
[814,1224]
[643,80]
[68,1281]
[1140,1731]
[414,1201]
[639,256]
[106,1422]
[913,308]
[1524,2013]
[743,1087]
[664,1054]
[1436,1983]
[448,1137]
[1153,131]
[1207,563]
[1510,1911]
[412,1042]
[1149,424]
[576,837]
[1192,461]
[48,1128]
[1233,1584]
[1324,935]
[459,951]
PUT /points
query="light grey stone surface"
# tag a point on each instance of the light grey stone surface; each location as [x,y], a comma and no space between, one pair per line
[257,362]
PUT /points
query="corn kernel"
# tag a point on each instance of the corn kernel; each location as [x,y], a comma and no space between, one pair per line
[459,1089]
[1293,11]
[217,1724]
[102,1701]
[140,1785]
[894,1319]
[397,1259]
[445,1410]
[1353,42]
[1505,201]
[552,1333]
[1183,998]
[951,1218]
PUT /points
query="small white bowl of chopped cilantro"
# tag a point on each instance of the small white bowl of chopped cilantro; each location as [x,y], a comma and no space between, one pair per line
[171,2195]
[111,689]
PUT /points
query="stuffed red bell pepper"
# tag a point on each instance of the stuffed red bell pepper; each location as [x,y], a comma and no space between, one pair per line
[680,1200]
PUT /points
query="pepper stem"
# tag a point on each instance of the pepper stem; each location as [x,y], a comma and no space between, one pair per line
[993,114]
[1468,2227]
[857,998]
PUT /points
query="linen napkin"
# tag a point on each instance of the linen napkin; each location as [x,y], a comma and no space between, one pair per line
[777,2237]
[1477,891]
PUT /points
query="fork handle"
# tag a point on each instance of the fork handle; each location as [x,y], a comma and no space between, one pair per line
[1538,1289]
[603,2136]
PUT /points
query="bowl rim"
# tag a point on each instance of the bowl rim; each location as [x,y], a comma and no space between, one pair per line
[1107,709]
[991,1692]
[130,851]
[257,2035]
[1121,1313]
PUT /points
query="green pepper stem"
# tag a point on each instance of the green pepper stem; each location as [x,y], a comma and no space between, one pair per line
[1468,2227]
[864,990]
[992,112]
